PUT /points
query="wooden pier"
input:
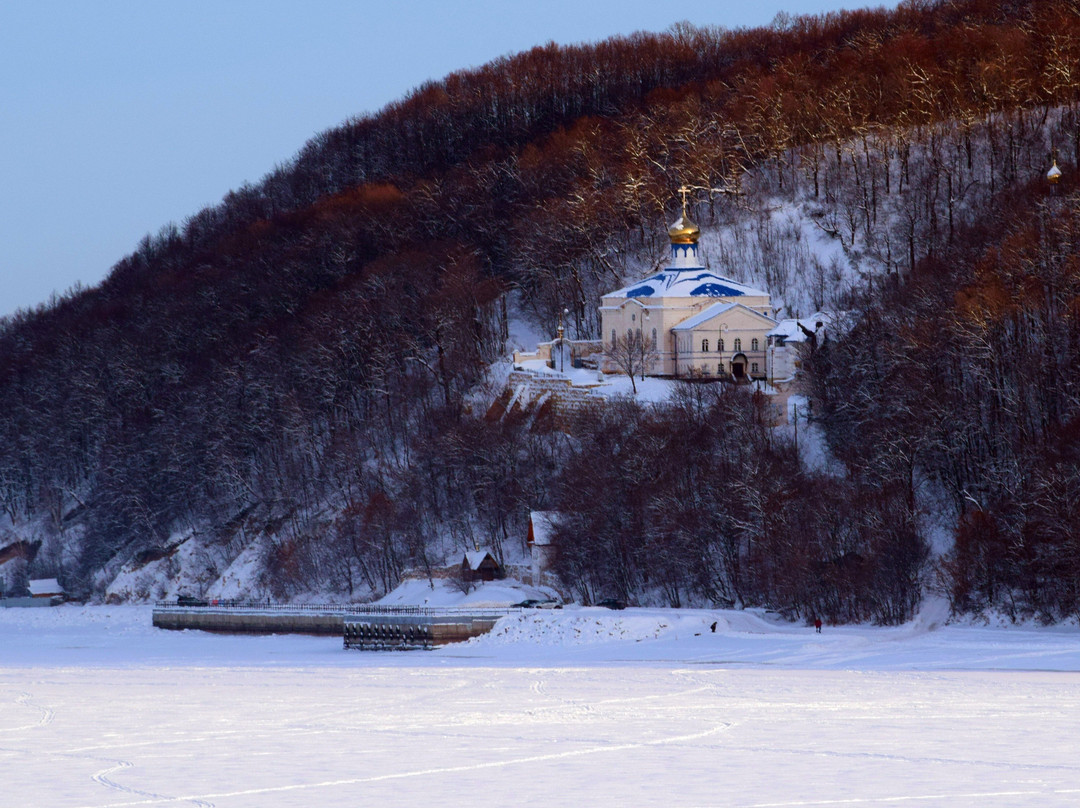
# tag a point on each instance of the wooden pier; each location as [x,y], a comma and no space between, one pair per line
[361,627]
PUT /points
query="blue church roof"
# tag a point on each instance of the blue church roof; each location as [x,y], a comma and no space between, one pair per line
[716,290]
[687,283]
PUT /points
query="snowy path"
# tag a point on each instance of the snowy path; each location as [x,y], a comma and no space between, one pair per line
[548,713]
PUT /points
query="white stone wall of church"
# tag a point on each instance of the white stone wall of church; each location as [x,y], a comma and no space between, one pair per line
[619,315]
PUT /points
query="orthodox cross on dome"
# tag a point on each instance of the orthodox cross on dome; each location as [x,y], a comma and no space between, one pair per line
[685,191]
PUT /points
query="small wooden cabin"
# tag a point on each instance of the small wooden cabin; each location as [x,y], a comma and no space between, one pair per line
[480,565]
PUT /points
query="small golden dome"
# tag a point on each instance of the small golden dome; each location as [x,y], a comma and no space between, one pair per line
[1054,174]
[684,231]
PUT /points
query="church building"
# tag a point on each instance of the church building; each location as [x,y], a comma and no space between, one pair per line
[698,324]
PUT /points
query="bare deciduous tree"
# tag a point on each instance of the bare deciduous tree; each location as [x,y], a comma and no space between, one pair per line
[634,354]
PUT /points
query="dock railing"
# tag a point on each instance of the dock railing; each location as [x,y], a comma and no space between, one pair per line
[338,608]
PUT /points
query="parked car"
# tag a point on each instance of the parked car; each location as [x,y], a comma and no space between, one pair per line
[532,603]
[611,603]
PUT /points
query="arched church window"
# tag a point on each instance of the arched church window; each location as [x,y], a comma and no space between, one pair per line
[654,339]
[721,346]
[614,338]
[738,344]
[754,344]
[704,346]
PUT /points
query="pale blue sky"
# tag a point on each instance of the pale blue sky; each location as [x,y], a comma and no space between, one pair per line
[119,116]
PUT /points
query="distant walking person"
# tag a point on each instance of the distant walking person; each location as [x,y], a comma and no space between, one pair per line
[817,624]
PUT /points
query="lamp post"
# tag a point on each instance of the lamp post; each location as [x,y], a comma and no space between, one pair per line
[644,336]
[562,349]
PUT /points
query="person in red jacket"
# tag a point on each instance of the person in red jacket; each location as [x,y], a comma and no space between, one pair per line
[817,624]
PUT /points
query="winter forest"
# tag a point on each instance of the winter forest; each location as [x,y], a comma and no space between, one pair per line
[299,376]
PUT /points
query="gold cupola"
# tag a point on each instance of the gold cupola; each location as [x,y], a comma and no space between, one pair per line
[684,231]
[1053,176]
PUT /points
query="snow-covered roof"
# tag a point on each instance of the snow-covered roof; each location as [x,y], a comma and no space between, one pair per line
[791,331]
[687,283]
[474,558]
[46,586]
[703,316]
[543,526]
[712,311]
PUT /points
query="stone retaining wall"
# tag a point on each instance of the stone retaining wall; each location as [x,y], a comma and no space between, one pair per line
[537,393]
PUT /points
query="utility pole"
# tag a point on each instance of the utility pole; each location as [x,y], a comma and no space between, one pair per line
[795,413]
[562,349]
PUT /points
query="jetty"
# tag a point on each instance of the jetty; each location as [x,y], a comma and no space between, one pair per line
[362,627]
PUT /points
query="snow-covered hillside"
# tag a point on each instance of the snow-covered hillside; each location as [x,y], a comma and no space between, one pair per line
[816,225]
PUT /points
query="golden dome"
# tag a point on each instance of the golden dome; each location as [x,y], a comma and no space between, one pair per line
[684,231]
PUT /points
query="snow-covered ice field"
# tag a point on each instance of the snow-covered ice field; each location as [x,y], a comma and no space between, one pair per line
[582,707]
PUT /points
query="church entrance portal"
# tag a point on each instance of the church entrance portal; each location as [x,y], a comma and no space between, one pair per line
[738,368]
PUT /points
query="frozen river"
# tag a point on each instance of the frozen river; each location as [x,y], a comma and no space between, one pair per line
[584,708]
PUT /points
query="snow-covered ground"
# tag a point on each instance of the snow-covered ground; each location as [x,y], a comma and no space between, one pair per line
[419,592]
[651,389]
[571,707]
